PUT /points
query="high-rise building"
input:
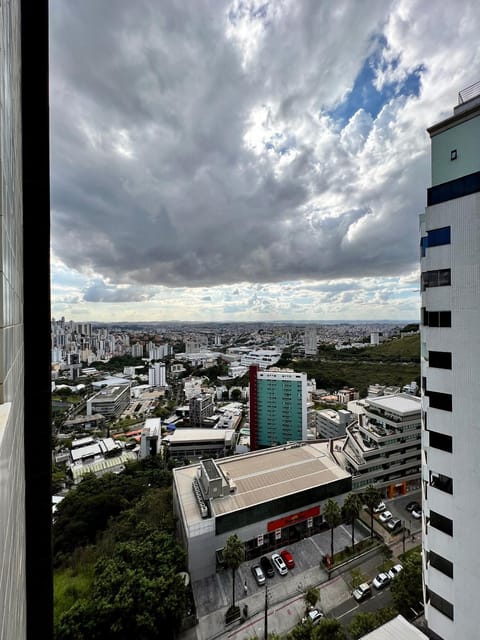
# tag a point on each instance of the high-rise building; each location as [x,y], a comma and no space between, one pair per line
[450,348]
[278,406]
[156,374]
[310,341]
[26,585]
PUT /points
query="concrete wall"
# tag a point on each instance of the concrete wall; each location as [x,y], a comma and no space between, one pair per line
[12,483]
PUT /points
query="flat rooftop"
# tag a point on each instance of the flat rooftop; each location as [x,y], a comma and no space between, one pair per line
[185,435]
[262,476]
[400,403]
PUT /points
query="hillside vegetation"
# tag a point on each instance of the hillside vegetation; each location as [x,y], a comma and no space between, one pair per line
[396,363]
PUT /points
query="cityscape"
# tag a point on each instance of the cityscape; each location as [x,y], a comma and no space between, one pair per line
[240,274]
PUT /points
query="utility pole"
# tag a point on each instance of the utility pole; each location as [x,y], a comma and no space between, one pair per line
[265,632]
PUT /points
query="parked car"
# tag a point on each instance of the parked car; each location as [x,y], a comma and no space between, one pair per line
[279,564]
[258,574]
[362,592]
[379,508]
[314,616]
[394,525]
[417,512]
[381,580]
[394,571]
[411,506]
[385,516]
[287,558]
[267,566]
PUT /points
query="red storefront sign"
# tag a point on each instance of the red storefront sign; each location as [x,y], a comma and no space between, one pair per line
[293,518]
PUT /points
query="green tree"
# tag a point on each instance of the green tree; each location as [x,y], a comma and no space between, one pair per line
[312,596]
[329,629]
[367,621]
[352,507]
[233,555]
[135,592]
[407,589]
[333,516]
[371,497]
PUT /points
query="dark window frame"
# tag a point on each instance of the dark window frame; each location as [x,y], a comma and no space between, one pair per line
[441,401]
[440,441]
[440,563]
[440,359]
[439,603]
[442,523]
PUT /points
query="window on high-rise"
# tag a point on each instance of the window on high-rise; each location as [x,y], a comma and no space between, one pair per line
[436,278]
[440,359]
[440,441]
[442,523]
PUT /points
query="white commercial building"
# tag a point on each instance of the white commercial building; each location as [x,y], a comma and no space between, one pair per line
[269,498]
[450,350]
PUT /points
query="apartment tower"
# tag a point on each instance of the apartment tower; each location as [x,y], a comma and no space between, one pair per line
[450,283]
[278,407]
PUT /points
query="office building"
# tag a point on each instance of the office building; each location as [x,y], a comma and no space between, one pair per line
[110,402]
[330,423]
[200,408]
[195,443]
[383,448]
[450,350]
[278,406]
[26,585]
[268,498]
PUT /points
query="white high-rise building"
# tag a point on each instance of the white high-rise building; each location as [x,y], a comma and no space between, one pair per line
[450,265]
[310,341]
[156,374]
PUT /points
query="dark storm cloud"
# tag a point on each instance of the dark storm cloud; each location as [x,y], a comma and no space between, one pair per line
[161,176]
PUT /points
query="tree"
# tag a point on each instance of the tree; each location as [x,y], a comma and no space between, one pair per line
[371,497]
[406,589]
[233,555]
[329,629]
[311,596]
[333,516]
[352,506]
[367,621]
[135,592]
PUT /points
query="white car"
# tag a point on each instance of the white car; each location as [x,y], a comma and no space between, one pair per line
[379,508]
[417,513]
[381,580]
[394,571]
[279,564]
[314,616]
[385,516]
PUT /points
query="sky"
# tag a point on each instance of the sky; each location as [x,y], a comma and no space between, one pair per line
[238,160]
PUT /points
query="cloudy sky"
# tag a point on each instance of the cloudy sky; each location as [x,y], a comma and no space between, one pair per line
[244,160]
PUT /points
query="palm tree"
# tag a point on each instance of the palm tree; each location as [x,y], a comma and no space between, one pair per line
[353,505]
[233,555]
[371,497]
[333,516]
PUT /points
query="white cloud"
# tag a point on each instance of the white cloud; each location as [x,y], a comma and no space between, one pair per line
[196,145]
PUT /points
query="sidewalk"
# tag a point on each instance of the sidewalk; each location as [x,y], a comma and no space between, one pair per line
[286,608]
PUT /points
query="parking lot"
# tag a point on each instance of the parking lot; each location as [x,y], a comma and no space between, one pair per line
[215,591]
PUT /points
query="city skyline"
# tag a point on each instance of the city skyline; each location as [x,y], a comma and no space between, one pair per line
[234,161]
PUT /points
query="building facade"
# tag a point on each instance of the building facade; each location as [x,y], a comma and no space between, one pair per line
[201,407]
[110,401]
[156,375]
[268,498]
[278,406]
[26,577]
[383,448]
[450,349]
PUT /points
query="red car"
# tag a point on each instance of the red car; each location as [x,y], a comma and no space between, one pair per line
[288,558]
